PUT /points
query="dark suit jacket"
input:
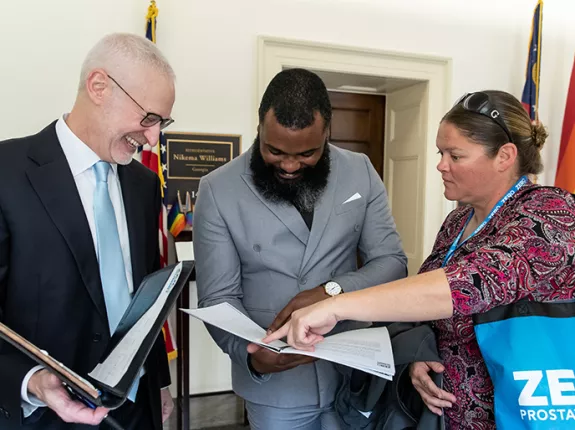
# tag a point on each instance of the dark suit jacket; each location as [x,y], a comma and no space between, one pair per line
[394,404]
[50,288]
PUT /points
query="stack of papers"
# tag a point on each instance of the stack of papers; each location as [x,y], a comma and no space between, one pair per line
[367,349]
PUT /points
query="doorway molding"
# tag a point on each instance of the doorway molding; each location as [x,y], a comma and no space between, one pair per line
[276,54]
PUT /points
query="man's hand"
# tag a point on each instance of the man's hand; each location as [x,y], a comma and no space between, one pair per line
[434,397]
[303,299]
[49,389]
[167,404]
[265,361]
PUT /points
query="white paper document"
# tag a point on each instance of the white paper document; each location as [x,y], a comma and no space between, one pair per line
[185,251]
[366,349]
[111,371]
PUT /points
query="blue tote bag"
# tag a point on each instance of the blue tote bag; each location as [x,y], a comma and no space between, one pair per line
[529,350]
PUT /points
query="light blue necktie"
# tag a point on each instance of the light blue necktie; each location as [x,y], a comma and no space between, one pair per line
[110,258]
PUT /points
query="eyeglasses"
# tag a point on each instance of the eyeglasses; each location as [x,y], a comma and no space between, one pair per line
[479,103]
[150,119]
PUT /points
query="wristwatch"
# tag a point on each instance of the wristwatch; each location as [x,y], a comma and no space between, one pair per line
[332,288]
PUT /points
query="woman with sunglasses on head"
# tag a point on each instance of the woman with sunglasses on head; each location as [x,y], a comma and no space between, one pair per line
[508,240]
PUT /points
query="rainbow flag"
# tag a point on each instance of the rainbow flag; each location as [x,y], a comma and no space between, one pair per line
[530,96]
[565,176]
[190,218]
[176,219]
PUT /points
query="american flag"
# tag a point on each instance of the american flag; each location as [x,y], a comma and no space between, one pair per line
[155,159]
[530,96]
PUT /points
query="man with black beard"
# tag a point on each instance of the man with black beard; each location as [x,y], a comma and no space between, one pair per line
[280,228]
[303,191]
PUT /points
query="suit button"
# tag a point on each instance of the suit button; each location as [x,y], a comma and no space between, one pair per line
[97,337]
[7,415]
[356,227]
[257,248]
[303,281]
[333,273]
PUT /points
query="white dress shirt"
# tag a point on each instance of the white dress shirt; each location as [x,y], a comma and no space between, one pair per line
[81,159]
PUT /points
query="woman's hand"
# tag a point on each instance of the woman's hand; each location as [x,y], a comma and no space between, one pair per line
[434,397]
[307,325]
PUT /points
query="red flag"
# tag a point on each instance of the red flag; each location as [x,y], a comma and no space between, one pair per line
[565,176]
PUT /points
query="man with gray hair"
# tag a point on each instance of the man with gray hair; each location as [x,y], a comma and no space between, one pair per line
[78,233]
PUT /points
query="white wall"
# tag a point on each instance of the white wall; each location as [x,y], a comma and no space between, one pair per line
[212,45]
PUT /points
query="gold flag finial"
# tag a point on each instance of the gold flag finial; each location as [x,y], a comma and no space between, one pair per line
[151,20]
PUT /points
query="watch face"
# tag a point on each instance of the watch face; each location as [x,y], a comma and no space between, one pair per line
[332,288]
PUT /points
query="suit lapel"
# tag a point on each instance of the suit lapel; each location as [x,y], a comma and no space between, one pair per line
[52,180]
[135,218]
[322,212]
[287,214]
[293,220]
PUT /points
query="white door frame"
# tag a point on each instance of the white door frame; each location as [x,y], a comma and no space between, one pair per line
[275,54]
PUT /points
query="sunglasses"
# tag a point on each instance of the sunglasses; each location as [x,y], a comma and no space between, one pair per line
[150,119]
[479,103]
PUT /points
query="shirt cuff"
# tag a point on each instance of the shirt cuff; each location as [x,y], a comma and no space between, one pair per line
[30,402]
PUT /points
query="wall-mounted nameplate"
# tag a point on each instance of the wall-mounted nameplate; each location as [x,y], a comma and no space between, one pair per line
[193,155]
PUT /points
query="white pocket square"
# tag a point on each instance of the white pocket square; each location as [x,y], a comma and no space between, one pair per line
[352,198]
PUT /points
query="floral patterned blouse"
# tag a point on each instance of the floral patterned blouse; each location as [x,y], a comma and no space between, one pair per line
[527,250]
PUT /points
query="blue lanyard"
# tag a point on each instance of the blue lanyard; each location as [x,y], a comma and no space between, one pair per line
[521,182]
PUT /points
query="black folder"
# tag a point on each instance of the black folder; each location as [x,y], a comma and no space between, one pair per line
[94,390]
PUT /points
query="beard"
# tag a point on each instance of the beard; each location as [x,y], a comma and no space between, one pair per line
[303,192]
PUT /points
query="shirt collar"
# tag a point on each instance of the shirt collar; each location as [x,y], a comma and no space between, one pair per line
[79,155]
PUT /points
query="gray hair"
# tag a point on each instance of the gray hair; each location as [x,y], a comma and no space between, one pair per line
[114,51]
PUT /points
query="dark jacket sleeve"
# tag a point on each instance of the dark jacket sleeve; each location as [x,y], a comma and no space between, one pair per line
[389,405]
[159,348]
[13,364]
